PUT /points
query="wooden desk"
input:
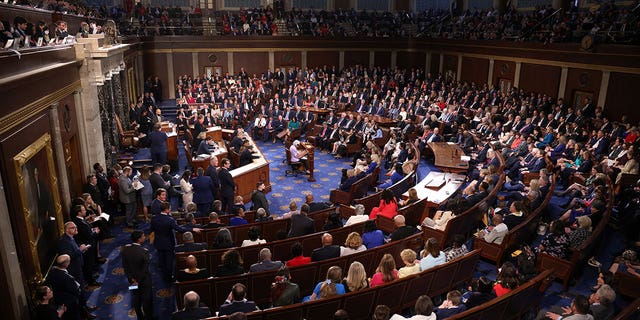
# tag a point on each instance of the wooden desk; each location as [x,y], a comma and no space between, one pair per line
[310,159]
[384,122]
[436,196]
[201,162]
[447,157]
[215,133]
[248,175]
[172,140]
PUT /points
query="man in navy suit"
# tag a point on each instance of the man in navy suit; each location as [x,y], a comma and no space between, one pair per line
[66,287]
[239,302]
[227,185]
[135,261]
[192,308]
[202,192]
[212,172]
[327,251]
[265,263]
[67,245]
[164,227]
[158,140]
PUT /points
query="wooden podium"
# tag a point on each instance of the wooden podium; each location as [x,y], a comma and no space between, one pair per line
[310,159]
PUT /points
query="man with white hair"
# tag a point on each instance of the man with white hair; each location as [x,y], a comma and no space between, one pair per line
[402,230]
[358,217]
[265,263]
[192,308]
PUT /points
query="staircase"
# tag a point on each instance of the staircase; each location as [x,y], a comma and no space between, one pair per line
[348,28]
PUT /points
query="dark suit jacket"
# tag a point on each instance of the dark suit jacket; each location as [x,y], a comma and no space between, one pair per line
[237,306]
[259,200]
[191,246]
[68,245]
[135,261]
[477,197]
[164,227]
[158,141]
[236,143]
[325,253]
[202,190]
[157,182]
[403,232]
[265,266]
[191,314]
[227,185]
[301,225]
[67,291]
[212,172]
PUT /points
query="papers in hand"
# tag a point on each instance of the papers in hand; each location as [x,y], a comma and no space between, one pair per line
[138,185]
[104,216]
[465,158]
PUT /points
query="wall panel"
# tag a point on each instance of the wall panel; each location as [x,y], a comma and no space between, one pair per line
[212,59]
[435,63]
[321,58]
[155,64]
[503,70]
[351,58]
[182,63]
[620,100]
[450,63]
[287,58]
[411,59]
[581,81]
[531,75]
[382,59]
[253,62]
[474,69]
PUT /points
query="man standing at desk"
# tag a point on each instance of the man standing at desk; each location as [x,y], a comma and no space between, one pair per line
[212,172]
[158,140]
[227,185]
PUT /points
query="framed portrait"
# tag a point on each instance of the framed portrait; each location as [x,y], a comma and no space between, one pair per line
[214,71]
[40,201]
[580,98]
[208,71]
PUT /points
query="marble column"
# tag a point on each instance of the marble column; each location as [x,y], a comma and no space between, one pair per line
[124,112]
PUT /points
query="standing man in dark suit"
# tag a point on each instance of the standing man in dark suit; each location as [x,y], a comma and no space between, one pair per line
[301,224]
[202,192]
[156,178]
[158,140]
[328,250]
[88,235]
[127,195]
[212,172]
[156,204]
[227,186]
[66,287]
[259,199]
[164,227]
[135,261]
[68,245]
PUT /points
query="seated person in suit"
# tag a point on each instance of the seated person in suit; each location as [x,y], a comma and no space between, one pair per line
[402,231]
[191,222]
[192,308]
[189,245]
[352,177]
[265,263]
[236,302]
[315,206]
[206,147]
[239,219]
[452,306]
[301,224]
[246,153]
[192,272]
[327,251]
[214,221]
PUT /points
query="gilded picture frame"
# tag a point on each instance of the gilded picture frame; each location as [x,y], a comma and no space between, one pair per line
[40,200]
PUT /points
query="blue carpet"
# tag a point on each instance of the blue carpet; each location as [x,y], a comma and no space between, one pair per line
[113,299]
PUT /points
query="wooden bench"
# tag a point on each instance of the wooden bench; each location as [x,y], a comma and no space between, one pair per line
[627,284]
[520,234]
[280,249]
[269,229]
[412,214]
[306,276]
[563,269]
[516,304]
[632,311]
[397,295]
[357,190]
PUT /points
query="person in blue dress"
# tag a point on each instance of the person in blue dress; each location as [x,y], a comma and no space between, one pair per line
[328,288]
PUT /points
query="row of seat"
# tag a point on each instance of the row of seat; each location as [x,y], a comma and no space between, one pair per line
[522,233]
[396,295]
[214,291]
[563,269]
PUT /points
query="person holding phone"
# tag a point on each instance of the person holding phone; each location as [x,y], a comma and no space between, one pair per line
[135,262]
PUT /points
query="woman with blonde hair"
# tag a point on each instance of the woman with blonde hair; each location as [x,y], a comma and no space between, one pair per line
[386,271]
[356,278]
[411,265]
[413,197]
[352,245]
[328,288]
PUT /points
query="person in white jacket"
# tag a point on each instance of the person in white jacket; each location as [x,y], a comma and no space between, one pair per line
[187,188]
